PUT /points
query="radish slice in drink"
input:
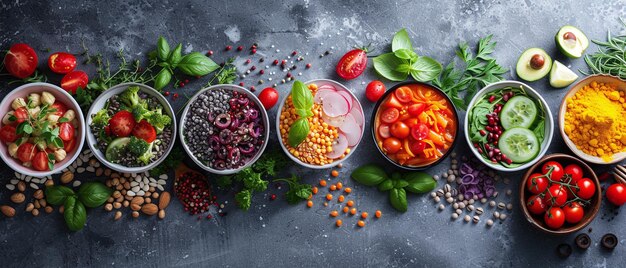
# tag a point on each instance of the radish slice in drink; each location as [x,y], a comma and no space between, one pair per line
[335,104]
[348,98]
[352,130]
[339,147]
[357,114]
[336,121]
[384,132]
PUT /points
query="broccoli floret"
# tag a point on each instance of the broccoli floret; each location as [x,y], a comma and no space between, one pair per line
[159,121]
[145,157]
[130,97]
[101,118]
[137,146]
[140,113]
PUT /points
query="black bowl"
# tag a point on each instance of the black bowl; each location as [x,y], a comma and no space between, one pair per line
[373,121]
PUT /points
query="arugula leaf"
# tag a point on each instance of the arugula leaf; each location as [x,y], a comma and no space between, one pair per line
[387,66]
[401,40]
[425,69]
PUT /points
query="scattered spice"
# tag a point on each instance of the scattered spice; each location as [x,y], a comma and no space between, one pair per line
[194,192]
[334,173]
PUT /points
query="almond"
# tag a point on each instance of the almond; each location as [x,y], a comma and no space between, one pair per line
[67,177]
[7,211]
[118,215]
[135,207]
[30,207]
[138,200]
[161,214]
[38,194]
[149,209]
[164,200]
[18,198]
[21,186]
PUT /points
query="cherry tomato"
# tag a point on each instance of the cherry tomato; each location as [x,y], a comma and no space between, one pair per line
[383,131]
[62,62]
[416,109]
[557,170]
[59,108]
[21,61]
[8,134]
[26,152]
[390,115]
[556,195]
[66,131]
[40,161]
[399,130]
[574,171]
[352,64]
[375,90]
[616,194]
[122,123]
[586,188]
[268,97]
[554,218]
[69,146]
[574,212]
[145,131]
[21,114]
[73,80]
[420,131]
[417,147]
[537,183]
[536,205]
[404,94]
[392,145]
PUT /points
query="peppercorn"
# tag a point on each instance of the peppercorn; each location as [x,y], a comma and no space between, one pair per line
[275,62]
[210,53]
[239,48]
[308,65]
[253,51]
[228,48]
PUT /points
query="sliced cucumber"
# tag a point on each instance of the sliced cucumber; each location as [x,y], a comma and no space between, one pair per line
[519,144]
[115,149]
[519,111]
[561,76]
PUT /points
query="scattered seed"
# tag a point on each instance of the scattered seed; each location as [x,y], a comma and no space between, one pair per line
[455,216]
[467,218]
[476,219]
[489,222]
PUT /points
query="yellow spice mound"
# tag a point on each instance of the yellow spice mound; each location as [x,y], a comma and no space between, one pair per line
[595,120]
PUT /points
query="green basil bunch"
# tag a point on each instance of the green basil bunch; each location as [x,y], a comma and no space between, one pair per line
[402,61]
[397,185]
[302,99]
[90,194]
[193,64]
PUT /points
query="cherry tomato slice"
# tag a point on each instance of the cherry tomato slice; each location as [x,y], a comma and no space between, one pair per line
[384,132]
[8,134]
[392,101]
[59,108]
[416,109]
[404,94]
[390,115]
[420,131]
[26,152]
[62,62]
[66,131]
[21,114]
[417,147]
[40,161]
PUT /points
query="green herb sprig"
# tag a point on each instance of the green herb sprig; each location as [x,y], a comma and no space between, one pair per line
[297,191]
[402,61]
[610,58]
[302,99]
[90,194]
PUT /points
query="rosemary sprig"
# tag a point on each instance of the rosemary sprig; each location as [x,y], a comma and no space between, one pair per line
[610,58]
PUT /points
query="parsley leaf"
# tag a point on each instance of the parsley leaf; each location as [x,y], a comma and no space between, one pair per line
[297,191]
[244,199]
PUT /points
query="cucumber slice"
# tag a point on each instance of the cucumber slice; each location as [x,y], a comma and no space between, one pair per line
[561,76]
[115,149]
[519,111]
[571,41]
[519,144]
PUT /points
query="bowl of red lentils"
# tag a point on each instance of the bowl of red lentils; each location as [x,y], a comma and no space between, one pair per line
[335,126]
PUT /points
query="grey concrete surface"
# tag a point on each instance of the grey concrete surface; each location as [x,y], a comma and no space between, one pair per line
[274,233]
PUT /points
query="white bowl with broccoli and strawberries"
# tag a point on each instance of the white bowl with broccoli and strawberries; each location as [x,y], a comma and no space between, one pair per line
[131,128]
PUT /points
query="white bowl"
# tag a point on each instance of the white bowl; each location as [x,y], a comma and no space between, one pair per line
[98,105]
[621,85]
[266,129]
[549,129]
[60,95]
[318,82]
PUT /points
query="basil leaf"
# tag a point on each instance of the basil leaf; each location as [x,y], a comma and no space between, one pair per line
[304,113]
[75,214]
[397,197]
[301,96]
[369,175]
[425,69]
[162,79]
[401,40]
[386,65]
[93,194]
[197,64]
[404,68]
[405,54]
[298,132]
[163,48]
[400,183]
[386,185]
[175,56]
[419,182]
[57,194]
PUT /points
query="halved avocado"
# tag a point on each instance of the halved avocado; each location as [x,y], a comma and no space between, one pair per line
[561,76]
[533,64]
[571,41]
[115,149]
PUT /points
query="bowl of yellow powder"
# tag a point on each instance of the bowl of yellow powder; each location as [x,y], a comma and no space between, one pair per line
[592,119]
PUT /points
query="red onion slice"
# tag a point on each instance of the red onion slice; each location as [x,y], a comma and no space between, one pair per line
[339,147]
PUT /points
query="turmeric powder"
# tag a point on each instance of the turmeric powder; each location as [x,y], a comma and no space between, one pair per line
[594,120]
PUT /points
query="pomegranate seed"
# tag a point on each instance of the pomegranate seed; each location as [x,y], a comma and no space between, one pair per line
[261,72]
[186,81]
[308,65]
[228,48]
[253,47]
[239,48]
[294,53]
[181,84]
[492,98]
[288,74]
[248,61]
[252,89]
[605,176]
[253,68]
[275,62]
[273,197]
[283,62]
[253,51]
[482,132]
[241,84]
[210,53]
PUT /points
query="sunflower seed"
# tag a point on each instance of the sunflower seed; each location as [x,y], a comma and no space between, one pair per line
[80,170]
[161,182]
[163,176]
[130,193]
[76,183]
[476,219]
[90,169]
[479,211]
[10,187]
[34,186]
[160,187]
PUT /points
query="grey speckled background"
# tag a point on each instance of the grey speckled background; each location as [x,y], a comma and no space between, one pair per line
[274,233]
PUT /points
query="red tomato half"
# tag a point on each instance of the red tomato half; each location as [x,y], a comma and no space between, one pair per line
[21,61]
[21,114]
[59,108]
[404,94]
[420,131]
[69,146]
[62,62]
[40,161]
[66,131]
[416,109]
[73,80]
[418,147]
[144,131]
[8,134]
[352,64]
[26,152]
[390,115]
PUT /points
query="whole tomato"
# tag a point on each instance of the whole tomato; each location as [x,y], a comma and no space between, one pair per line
[554,218]
[574,212]
[586,188]
[556,195]
[268,97]
[574,171]
[536,205]
[616,194]
[62,62]
[537,183]
[557,170]
[375,90]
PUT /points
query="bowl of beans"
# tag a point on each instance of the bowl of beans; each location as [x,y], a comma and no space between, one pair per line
[332,117]
[414,125]
[224,129]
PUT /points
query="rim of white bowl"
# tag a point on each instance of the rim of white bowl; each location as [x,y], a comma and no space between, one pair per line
[266,131]
[334,163]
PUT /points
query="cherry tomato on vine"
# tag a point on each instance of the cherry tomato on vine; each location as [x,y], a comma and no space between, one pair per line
[392,145]
[62,62]
[352,64]
[375,90]
[556,195]
[557,170]
[574,212]
[536,205]
[586,188]
[574,171]
[537,183]
[616,194]
[400,130]
[554,218]
[21,61]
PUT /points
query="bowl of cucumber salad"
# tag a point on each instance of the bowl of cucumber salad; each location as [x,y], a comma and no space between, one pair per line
[508,126]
